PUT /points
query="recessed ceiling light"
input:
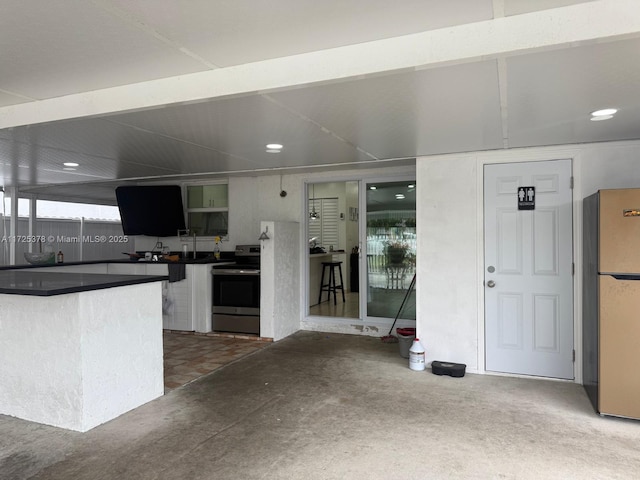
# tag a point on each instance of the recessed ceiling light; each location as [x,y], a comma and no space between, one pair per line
[604,112]
[399,196]
[372,187]
[601,117]
[274,146]
[411,186]
[70,164]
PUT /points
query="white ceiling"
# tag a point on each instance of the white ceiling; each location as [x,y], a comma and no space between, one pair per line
[58,53]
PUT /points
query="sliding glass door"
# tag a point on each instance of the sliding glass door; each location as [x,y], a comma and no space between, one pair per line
[390,248]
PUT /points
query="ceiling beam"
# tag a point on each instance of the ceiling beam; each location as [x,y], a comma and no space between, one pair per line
[597,21]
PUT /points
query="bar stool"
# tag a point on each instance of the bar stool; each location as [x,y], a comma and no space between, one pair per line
[331,286]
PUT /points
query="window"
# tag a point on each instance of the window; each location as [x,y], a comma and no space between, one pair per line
[208,210]
[325,228]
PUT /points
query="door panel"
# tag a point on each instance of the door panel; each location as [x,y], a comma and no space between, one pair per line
[545,242]
[509,247]
[390,249]
[619,333]
[528,270]
[545,323]
[510,321]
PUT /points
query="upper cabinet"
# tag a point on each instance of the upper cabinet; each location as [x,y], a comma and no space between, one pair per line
[208,210]
[208,196]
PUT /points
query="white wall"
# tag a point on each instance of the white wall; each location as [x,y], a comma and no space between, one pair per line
[448,235]
[251,199]
[450,319]
[279,280]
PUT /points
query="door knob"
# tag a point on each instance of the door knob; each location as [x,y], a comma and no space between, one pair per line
[491,284]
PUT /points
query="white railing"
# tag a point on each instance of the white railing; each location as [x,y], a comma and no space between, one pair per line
[77,239]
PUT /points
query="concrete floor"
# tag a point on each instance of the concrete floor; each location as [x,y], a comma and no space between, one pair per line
[328,406]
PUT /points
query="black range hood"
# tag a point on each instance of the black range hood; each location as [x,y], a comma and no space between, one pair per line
[152,210]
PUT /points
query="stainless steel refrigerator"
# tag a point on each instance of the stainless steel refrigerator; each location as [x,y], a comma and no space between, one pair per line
[611,301]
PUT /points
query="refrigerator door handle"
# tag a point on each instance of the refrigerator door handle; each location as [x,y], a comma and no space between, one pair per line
[624,276]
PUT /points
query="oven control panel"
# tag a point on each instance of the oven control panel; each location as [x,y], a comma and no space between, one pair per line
[247,250]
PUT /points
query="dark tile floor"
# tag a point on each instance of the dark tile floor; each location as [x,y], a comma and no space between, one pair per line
[188,356]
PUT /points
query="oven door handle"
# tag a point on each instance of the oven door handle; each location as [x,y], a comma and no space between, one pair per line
[218,271]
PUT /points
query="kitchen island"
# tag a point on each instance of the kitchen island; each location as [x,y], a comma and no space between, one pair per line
[79,349]
[186,292]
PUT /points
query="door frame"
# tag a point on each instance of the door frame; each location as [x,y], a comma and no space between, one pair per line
[513,156]
[305,295]
[381,322]
[373,326]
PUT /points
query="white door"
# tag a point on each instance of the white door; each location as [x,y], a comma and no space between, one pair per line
[528,269]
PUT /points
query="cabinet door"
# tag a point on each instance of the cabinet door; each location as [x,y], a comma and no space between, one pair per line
[90,268]
[127,268]
[178,315]
[200,296]
[207,196]
[157,269]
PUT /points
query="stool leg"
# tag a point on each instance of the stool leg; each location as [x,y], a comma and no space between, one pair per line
[341,283]
[332,284]
[321,285]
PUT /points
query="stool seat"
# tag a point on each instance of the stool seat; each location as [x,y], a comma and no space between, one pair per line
[331,285]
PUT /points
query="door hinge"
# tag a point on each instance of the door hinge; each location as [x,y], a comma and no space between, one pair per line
[573,268]
[571,183]
[574,356]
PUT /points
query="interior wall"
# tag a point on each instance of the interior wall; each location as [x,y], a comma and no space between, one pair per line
[333,190]
[351,226]
[450,317]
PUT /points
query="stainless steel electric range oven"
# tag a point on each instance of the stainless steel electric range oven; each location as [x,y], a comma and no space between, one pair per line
[236,293]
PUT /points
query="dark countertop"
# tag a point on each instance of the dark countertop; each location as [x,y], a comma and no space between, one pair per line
[44,284]
[205,260]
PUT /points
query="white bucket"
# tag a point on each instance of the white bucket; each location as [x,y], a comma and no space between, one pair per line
[416,356]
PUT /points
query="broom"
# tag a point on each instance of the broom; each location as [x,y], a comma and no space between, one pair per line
[392,338]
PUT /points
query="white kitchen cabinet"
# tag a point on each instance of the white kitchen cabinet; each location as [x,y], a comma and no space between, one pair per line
[186,303]
[201,295]
[191,297]
[189,306]
[176,312]
[176,298]
[156,269]
[132,268]
[86,268]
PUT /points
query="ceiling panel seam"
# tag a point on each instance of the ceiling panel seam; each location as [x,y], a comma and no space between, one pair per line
[131,19]
[180,140]
[318,125]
